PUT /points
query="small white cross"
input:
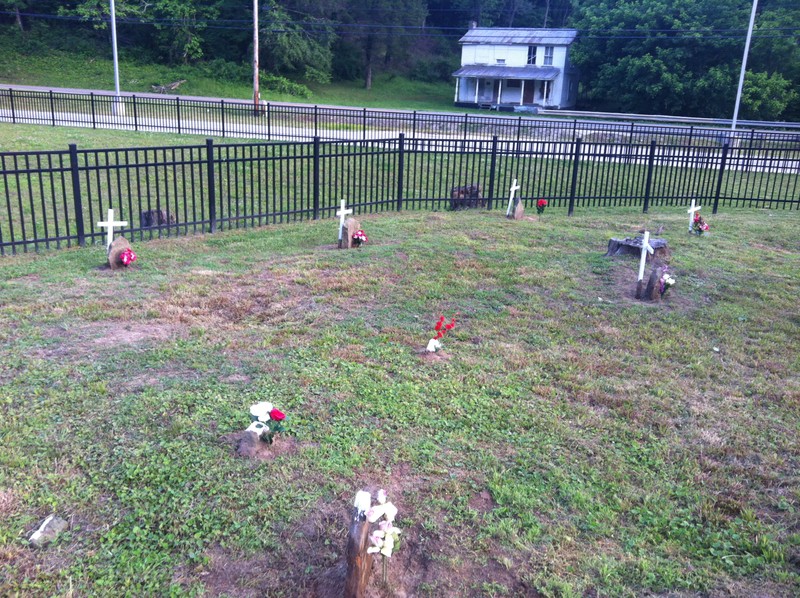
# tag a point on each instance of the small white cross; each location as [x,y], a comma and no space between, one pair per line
[110,224]
[646,248]
[691,211]
[514,189]
[341,214]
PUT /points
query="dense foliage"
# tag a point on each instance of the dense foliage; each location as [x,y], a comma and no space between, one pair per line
[650,56]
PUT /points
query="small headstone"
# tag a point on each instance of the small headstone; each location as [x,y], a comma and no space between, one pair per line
[249,445]
[351,225]
[116,249]
[466,196]
[48,530]
[633,246]
[151,218]
[652,291]
[519,209]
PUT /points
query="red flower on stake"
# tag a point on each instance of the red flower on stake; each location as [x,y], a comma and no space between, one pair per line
[277,415]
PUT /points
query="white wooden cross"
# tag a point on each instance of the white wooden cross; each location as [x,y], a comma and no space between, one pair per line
[646,248]
[514,189]
[109,224]
[691,211]
[341,214]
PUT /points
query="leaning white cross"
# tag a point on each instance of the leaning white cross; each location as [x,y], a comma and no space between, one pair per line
[691,211]
[514,189]
[646,248]
[109,224]
[341,214]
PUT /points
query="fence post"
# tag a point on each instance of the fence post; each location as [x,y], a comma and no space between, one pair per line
[650,162]
[178,109]
[414,126]
[76,193]
[466,122]
[91,101]
[364,124]
[492,171]
[316,121]
[315,170]
[212,190]
[222,115]
[576,161]
[401,159]
[52,109]
[135,116]
[11,100]
[719,177]
[269,122]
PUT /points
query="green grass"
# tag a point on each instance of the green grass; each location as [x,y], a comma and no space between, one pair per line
[575,442]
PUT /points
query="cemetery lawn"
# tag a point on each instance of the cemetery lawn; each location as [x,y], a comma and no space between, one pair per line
[572,441]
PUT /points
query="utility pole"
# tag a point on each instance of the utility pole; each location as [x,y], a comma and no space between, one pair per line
[744,64]
[256,93]
[118,108]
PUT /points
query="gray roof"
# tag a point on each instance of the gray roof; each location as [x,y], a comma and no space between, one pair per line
[512,36]
[538,73]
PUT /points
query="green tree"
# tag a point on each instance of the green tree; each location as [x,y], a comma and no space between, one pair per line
[659,55]
[765,96]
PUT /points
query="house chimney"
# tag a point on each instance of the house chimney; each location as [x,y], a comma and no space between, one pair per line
[473,24]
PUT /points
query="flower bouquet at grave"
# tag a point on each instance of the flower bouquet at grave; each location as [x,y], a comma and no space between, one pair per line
[540,206]
[387,536]
[359,238]
[127,257]
[267,421]
[441,328]
[699,225]
[666,282]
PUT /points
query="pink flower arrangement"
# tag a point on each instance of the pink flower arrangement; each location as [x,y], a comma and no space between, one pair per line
[127,257]
[359,237]
[699,226]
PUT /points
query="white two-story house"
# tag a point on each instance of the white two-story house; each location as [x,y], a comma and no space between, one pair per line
[505,68]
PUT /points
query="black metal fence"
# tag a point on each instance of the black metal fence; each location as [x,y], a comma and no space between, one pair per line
[56,198]
[286,122]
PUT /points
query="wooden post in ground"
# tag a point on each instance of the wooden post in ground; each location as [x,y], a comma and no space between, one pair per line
[359,563]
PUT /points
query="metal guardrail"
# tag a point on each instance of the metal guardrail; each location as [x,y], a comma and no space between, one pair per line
[277,121]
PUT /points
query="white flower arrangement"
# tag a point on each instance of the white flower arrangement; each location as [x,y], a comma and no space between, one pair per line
[266,421]
[387,535]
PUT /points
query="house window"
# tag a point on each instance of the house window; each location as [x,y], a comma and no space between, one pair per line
[501,61]
[548,55]
[513,83]
[531,54]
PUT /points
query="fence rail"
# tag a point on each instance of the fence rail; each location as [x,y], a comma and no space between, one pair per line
[238,119]
[51,199]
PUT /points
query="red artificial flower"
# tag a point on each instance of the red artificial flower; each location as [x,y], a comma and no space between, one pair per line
[439,324]
[541,203]
[451,325]
[277,415]
[127,257]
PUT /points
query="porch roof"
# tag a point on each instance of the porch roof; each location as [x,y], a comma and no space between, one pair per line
[535,73]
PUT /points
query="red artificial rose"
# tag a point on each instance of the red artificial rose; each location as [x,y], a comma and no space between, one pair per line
[439,324]
[541,203]
[277,415]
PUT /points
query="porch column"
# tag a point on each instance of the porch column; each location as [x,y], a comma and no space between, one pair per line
[522,93]
[477,84]
[499,91]
[458,80]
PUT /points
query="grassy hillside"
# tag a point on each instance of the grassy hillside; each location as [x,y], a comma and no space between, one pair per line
[38,65]
[571,441]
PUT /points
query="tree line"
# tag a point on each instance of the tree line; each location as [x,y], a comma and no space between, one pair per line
[678,57]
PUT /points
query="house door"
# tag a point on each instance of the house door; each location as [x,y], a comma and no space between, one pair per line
[527,97]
